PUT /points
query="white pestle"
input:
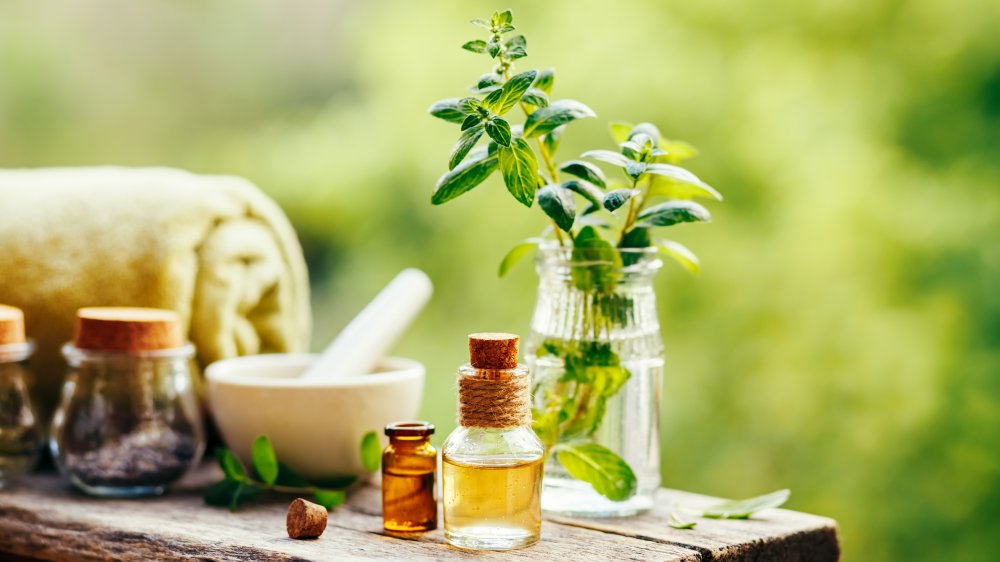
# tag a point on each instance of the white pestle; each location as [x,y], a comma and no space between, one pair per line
[359,347]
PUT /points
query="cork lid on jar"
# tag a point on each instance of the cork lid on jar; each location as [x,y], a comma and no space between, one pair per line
[493,350]
[11,325]
[127,329]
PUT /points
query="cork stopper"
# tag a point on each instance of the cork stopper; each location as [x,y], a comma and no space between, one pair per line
[493,350]
[305,520]
[127,329]
[11,325]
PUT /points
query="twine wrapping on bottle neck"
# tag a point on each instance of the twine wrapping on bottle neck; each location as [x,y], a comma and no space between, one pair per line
[494,399]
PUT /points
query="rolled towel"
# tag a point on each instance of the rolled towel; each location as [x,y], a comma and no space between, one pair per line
[213,248]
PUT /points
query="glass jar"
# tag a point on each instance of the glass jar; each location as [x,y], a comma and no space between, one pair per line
[409,469]
[597,357]
[128,422]
[20,437]
[491,476]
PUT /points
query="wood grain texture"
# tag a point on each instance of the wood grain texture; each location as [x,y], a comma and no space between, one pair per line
[44,519]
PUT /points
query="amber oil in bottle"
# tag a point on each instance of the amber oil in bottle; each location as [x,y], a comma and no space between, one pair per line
[492,464]
[409,469]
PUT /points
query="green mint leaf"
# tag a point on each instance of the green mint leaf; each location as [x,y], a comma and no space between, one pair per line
[743,509]
[552,138]
[673,212]
[479,22]
[508,96]
[680,254]
[584,170]
[607,156]
[469,105]
[520,170]
[265,462]
[556,114]
[467,175]
[545,80]
[448,110]
[471,122]
[329,498]
[631,150]
[230,465]
[503,18]
[677,523]
[289,478]
[493,48]
[477,46]
[588,190]
[465,143]
[221,493]
[648,130]
[499,131]
[604,273]
[635,169]
[613,200]
[489,79]
[371,451]
[677,151]
[535,97]
[517,47]
[241,494]
[600,467]
[514,255]
[558,204]
[685,185]
[638,237]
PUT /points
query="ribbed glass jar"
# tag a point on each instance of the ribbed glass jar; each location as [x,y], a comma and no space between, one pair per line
[128,423]
[596,355]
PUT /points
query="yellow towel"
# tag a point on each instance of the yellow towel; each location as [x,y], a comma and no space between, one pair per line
[213,248]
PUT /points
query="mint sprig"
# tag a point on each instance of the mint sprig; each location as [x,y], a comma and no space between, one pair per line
[269,475]
[731,509]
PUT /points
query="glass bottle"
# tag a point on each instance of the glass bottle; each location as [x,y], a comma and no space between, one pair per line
[598,311]
[492,463]
[409,469]
[20,437]
[128,422]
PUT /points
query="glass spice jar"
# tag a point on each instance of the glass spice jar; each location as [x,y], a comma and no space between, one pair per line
[409,469]
[20,437]
[128,423]
[492,464]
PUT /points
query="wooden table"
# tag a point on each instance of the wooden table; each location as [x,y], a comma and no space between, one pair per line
[42,518]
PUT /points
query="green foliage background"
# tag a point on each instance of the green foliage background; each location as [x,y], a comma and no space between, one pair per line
[844,338]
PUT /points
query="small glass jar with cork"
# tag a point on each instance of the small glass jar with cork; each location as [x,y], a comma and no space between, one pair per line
[128,422]
[20,437]
[492,464]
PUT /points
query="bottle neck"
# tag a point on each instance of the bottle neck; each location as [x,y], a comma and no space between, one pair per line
[497,399]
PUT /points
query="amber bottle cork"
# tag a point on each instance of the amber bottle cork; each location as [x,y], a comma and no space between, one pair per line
[11,325]
[493,350]
[127,329]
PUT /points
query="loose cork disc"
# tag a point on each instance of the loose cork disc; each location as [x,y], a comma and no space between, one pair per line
[305,519]
[493,350]
[11,325]
[127,329]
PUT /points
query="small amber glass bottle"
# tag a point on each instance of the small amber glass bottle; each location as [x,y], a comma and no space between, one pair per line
[409,468]
[492,464]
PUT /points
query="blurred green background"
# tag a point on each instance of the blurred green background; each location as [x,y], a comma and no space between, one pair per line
[844,337]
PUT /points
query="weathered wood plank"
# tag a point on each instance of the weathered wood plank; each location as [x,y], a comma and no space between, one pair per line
[777,535]
[43,518]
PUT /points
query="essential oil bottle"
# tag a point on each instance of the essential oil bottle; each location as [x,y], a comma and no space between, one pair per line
[492,464]
[409,469]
